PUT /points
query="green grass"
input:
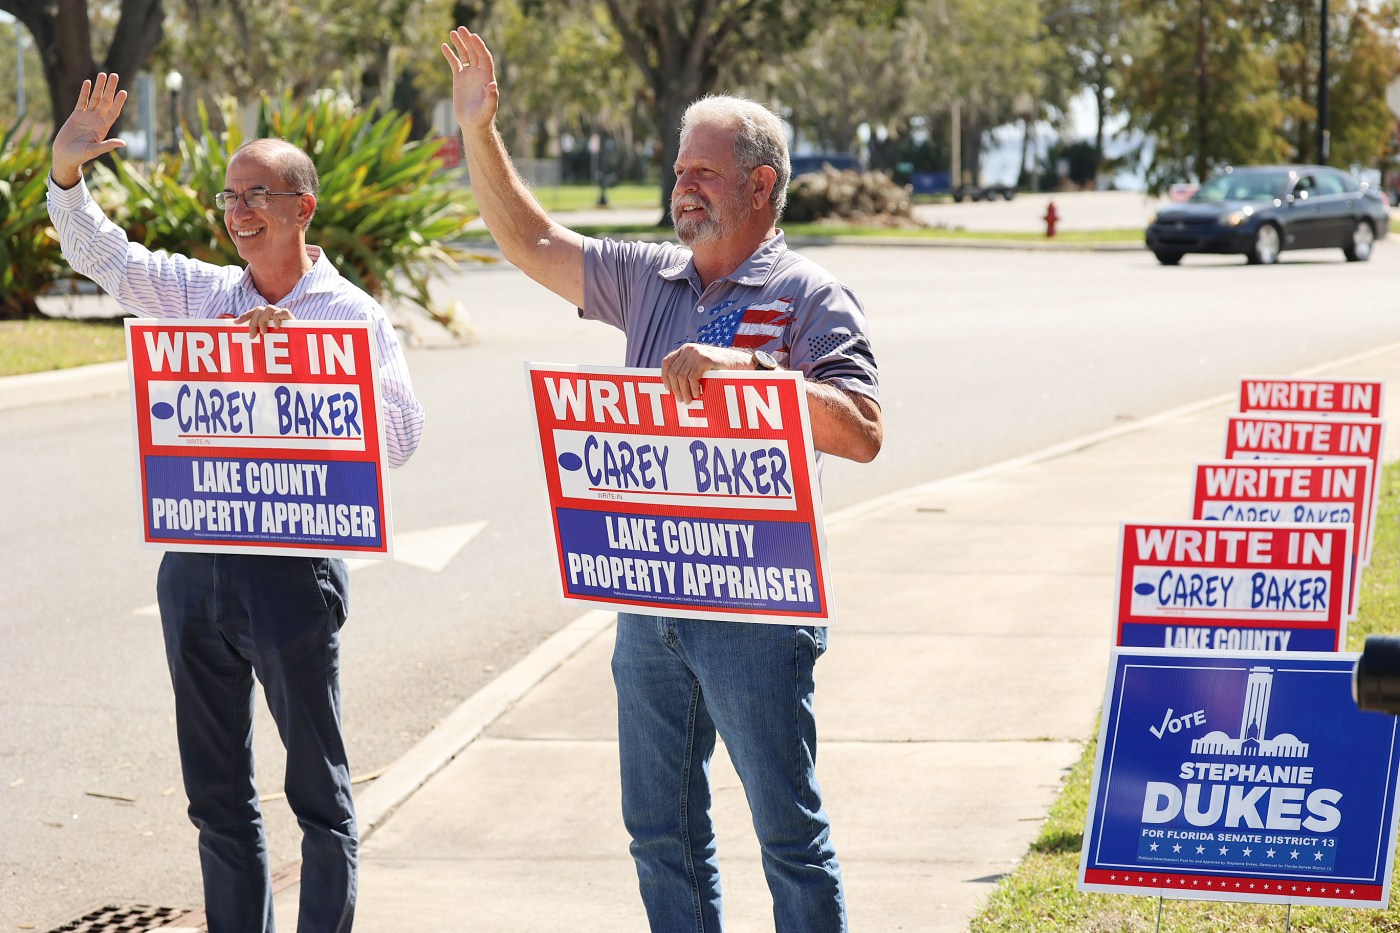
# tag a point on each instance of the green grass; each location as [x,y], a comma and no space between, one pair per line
[1039,895]
[585,197]
[42,344]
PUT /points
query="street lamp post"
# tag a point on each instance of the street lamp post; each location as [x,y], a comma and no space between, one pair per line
[174,81]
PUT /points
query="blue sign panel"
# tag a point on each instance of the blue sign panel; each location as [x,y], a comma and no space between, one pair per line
[319,504]
[761,565]
[1242,777]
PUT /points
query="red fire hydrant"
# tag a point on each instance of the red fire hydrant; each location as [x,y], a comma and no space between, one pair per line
[1051,218]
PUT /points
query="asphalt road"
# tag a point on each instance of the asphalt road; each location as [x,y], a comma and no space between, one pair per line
[985,355]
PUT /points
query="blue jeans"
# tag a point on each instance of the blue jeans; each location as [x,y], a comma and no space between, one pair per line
[679,681]
[226,618]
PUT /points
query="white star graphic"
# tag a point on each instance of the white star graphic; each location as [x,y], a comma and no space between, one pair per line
[1293,854]
[1200,849]
[1317,856]
[1224,850]
[1153,847]
[1177,847]
[1269,853]
[1247,852]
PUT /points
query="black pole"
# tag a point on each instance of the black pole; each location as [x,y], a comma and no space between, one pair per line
[174,120]
[1323,136]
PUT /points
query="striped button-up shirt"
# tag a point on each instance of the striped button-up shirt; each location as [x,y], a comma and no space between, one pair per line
[158,284]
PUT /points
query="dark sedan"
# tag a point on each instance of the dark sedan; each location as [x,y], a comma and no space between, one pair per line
[1260,211]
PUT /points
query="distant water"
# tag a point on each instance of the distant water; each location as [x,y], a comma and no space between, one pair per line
[1001,156]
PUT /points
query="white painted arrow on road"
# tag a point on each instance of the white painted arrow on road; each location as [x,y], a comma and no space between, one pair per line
[431,549]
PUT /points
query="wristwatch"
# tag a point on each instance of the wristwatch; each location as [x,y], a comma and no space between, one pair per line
[762,359]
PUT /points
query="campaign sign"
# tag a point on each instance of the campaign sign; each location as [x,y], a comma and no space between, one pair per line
[262,446]
[1241,777]
[705,510]
[1233,586]
[1361,397]
[1269,437]
[1321,491]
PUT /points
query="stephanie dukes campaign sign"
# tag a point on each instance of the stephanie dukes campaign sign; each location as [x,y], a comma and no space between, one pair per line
[703,510]
[262,446]
[1241,777]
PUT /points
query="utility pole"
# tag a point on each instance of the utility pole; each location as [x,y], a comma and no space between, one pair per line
[1324,136]
[19,68]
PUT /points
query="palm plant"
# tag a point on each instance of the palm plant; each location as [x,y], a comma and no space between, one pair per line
[29,252]
[386,214]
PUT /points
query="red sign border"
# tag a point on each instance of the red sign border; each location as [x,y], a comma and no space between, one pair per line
[375,444]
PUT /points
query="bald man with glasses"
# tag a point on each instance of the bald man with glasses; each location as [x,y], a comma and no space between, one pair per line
[227,618]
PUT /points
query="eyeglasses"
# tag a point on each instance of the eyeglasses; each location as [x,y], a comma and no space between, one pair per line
[253,198]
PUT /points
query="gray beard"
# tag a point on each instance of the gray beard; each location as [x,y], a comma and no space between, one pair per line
[707,231]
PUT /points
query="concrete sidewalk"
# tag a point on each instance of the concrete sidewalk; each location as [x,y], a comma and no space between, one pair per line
[964,676]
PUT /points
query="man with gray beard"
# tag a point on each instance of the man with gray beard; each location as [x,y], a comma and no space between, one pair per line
[736,299]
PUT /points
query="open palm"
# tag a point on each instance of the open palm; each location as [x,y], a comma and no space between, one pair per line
[475,96]
[83,136]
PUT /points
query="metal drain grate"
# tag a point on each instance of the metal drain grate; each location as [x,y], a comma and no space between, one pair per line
[134,918]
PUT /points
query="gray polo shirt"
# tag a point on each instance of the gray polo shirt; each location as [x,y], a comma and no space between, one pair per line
[776,301]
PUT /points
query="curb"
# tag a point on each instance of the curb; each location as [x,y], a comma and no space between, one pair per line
[63,385]
[467,722]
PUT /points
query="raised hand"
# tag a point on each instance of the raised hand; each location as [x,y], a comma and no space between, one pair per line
[83,136]
[475,96]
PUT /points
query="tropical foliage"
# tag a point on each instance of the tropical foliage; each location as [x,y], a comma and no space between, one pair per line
[386,214]
[29,254]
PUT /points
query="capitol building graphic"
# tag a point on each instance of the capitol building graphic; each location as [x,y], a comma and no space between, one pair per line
[1253,723]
